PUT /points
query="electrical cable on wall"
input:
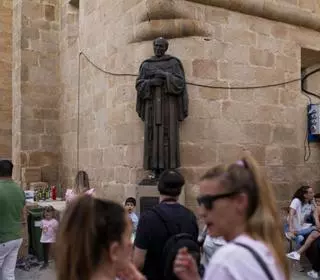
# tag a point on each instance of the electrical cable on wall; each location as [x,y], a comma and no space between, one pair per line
[194,84]
[78,112]
[307,150]
[305,92]
[303,81]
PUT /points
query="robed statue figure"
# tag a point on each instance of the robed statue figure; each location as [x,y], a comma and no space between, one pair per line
[162,102]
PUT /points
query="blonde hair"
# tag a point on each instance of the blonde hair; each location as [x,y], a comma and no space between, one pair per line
[263,220]
[81,183]
[214,172]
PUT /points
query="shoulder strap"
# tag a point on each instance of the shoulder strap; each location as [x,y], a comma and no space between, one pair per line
[258,259]
[170,227]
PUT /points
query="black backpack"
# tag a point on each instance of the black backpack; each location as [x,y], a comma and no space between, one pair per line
[174,243]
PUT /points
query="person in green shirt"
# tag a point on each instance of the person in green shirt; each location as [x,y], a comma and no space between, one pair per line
[12,202]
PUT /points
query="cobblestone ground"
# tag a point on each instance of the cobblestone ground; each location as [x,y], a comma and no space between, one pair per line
[36,274]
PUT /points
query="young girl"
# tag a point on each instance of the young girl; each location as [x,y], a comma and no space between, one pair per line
[81,186]
[49,226]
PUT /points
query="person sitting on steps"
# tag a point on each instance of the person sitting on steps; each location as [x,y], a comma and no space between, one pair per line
[301,208]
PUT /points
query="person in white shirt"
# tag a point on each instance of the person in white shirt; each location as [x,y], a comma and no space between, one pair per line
[130,205]
[208,243]
[210,246]
[240,206]
[81,186]
[301,208]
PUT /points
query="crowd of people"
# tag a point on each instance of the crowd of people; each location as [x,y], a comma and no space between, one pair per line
[98,239]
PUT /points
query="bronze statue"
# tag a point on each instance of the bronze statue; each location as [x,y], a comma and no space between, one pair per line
[162,102]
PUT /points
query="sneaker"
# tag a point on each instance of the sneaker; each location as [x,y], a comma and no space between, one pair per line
[289,235]
[294,256]
[44,266]
[313,274]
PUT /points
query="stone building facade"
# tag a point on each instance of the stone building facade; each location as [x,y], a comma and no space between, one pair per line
[5,77]
[69,115]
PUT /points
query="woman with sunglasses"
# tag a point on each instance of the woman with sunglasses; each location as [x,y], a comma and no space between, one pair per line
[239,205]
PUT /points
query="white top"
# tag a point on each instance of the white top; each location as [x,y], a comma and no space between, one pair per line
[302,211]
[210,246]
[49,230]
[233,262]
[135,220]
[71,195]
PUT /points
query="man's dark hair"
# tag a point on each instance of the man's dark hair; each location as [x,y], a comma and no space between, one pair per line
[170,183]
[6,168]
[131,200]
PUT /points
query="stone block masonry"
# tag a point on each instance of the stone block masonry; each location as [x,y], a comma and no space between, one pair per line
[68,105]
[5,78]
[59,131]
[238,50]
[37,135]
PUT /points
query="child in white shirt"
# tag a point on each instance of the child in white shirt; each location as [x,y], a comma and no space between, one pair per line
[49,226]
[130,205]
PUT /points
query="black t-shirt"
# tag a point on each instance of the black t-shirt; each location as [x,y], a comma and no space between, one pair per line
[152,235]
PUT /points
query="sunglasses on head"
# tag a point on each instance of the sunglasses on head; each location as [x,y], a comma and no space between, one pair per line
[207,200]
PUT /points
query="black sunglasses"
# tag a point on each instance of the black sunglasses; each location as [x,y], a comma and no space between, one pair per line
[207,200]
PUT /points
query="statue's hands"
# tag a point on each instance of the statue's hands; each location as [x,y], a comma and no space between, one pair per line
[160,73]
[156,82]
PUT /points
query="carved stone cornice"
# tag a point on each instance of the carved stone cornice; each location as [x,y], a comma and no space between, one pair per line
[270,10]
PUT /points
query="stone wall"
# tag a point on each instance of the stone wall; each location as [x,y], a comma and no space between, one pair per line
[296,12]
[217,47]
[68,105]
[312,6]
[16,88]
[5,78]
[36,90]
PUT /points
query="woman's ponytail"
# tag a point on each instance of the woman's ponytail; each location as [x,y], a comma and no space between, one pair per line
[264,224]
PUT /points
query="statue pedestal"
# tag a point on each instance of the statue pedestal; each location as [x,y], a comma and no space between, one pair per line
[147,196]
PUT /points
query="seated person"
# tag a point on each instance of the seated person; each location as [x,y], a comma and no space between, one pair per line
[302,233]
[81,186]
[313,255]
[317,210]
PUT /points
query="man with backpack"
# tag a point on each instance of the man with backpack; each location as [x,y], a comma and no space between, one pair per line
[163,230]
